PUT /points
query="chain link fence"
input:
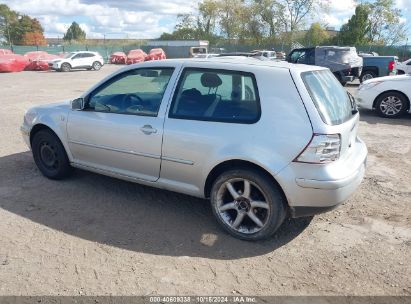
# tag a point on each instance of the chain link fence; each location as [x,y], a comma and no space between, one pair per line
[105,50]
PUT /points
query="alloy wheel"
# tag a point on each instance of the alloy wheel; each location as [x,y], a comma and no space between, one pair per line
[242,205]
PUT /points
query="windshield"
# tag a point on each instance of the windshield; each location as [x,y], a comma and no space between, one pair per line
[68,55]
[330,98]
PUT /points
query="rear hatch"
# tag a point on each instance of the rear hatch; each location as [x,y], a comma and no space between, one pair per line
[337,110]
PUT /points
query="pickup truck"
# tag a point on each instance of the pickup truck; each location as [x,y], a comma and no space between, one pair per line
[343,62]
[378,66]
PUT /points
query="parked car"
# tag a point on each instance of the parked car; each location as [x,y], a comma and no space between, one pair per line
[78,60]
[259,149]
[39,60]
[118,58]
[344,62]
[404,67]
[136,56]
[390,96]
[270,55]
[156,54]
[197,50]
[378,66]
[10,63]
[206,56]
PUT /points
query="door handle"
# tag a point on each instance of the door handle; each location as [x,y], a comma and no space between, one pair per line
[148,129]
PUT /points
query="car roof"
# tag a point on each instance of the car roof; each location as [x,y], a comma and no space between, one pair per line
[239,61]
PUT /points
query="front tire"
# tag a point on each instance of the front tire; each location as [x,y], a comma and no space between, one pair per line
[49,155]
[96,65]
[391,105]
[247,204]
[65,67]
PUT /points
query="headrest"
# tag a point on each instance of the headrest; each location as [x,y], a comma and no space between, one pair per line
[210,80]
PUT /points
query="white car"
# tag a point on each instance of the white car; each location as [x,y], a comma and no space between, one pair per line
[389,96]
[78,60]
[404,67]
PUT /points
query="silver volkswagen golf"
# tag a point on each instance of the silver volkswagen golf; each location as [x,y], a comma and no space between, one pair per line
[262,140]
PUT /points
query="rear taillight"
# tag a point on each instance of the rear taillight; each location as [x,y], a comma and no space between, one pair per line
[322,149]
[391,66]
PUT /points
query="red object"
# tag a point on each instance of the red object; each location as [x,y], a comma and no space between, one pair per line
[156,54]
[391,66]
[39,61]
[12,63]
[136,56]
[118,58]
[5,52]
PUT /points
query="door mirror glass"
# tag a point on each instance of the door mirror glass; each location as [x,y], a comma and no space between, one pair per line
[77,104]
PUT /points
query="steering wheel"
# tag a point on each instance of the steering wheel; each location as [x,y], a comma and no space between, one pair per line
[132,102]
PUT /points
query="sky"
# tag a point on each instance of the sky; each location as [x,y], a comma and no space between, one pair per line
[145,18]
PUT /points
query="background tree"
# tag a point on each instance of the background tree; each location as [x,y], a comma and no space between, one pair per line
[74,32]
[33,38]
[356,30]
[316,35]
[19,29]
[385,23]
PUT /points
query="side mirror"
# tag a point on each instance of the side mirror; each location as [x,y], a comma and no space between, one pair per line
[77,104]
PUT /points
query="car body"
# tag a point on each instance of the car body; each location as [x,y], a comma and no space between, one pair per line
[77,60]
[136,56]
[378,66]
[156,54]
[206,55]
[118,58]
[390,96]
[270,55]
[344,62]
[213,128]
[404,67]
[197,50]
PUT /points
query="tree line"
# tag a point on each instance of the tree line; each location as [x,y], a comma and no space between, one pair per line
[20,29]
[284,21]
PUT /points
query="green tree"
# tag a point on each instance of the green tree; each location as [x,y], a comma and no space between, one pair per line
[356,30]
[74,32]
[16,28]
[385,23]
[316,35]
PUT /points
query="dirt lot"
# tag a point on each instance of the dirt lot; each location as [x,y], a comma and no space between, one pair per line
[96,235]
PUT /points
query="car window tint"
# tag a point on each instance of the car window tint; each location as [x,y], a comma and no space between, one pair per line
[216,95]
[329,97]
[134,92]
[78,56]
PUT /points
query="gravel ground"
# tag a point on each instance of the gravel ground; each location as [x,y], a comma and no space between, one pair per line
[95,235]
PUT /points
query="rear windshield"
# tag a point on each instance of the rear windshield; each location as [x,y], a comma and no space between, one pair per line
[329,97]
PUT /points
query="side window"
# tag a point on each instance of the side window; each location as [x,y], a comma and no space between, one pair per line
[134,92]
[409,63]
[78,56]
[88,55]
[216,95]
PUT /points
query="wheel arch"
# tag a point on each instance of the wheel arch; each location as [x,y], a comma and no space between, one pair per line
[392,91]
[38,127]
[237,164]
[41,126]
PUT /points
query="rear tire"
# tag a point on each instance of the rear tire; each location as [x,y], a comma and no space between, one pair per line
[65,67]
[391,105]
[366,75]
[247,204]
[50,156]
[96,65]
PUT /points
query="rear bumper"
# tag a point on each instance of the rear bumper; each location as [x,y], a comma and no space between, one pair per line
[323,187]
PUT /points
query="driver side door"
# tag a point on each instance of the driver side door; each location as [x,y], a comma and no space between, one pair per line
[120,129]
